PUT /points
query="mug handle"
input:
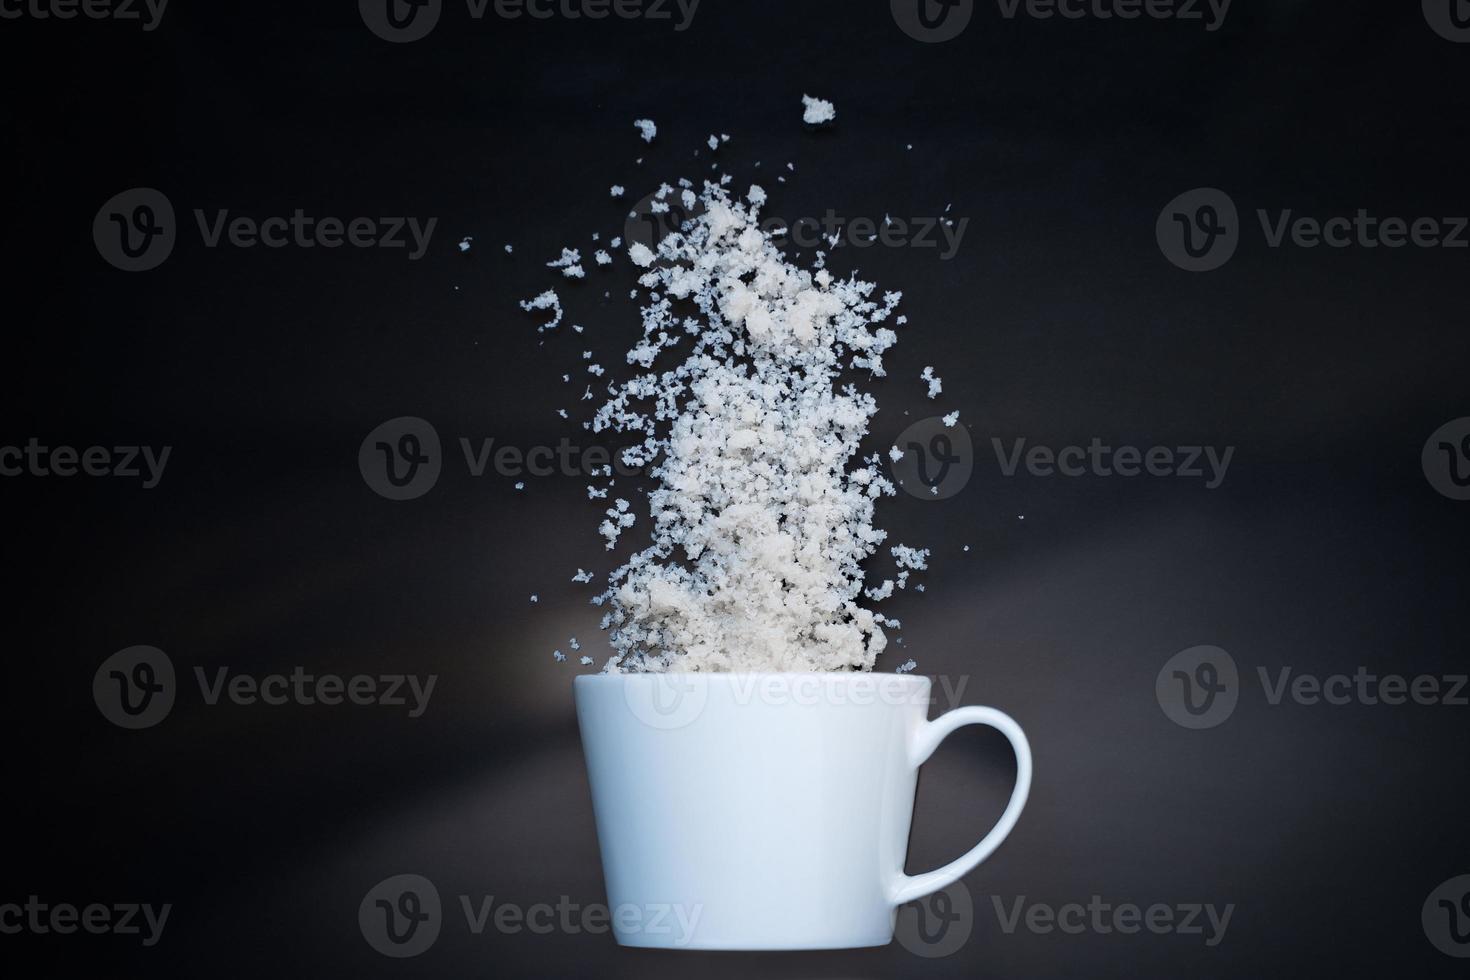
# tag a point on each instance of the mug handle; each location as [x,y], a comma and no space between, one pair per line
[906,888]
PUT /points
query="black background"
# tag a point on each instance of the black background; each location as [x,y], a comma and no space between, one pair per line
[1058,320]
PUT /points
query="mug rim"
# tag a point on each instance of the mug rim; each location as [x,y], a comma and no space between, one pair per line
[731,675]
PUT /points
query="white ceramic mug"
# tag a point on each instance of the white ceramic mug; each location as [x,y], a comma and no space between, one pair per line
[767,811]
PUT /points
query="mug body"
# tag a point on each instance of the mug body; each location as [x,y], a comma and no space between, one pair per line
[751,811]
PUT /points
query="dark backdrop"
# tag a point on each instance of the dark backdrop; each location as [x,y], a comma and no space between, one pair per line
[1327,548]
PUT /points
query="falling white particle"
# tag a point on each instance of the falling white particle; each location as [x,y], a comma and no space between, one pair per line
[817,111]
[935,384]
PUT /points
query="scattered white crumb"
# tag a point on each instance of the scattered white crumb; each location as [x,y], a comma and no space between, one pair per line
[585,661]
[464,243]
[562,412]
[817,111]
[508,249]
[641,255]
[895,454]
[714,142]
[583,576]
[535,597]
[602,257]
[906,557]
[574,644]
[560,657]
[520,484]
[967,547]
[756,195]
[545,301]
[616,190]
[935,384]
[905,667]
[646,129]
[951,419]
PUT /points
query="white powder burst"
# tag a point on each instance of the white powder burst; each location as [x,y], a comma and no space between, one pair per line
[761,517]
